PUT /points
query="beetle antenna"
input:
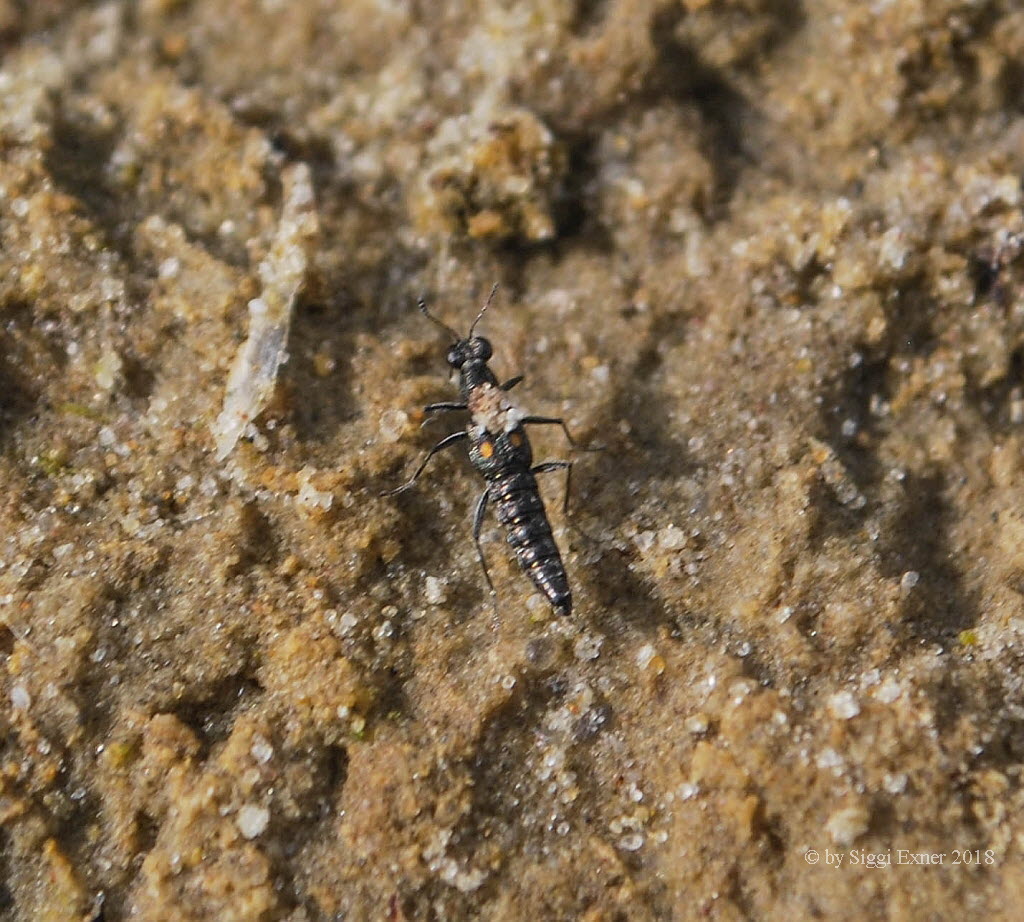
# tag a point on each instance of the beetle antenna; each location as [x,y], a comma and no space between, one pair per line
[483,310]
[444,326]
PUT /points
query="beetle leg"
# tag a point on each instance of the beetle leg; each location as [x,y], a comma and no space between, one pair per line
[547,466]
[558,421]
[444,443]
[511,383]
[445,407]
[478,524]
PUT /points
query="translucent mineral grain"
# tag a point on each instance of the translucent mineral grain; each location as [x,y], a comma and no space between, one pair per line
[282,273]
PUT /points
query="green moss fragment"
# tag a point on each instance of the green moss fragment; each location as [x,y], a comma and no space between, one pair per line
[78,409]
[52,461]
[120,754]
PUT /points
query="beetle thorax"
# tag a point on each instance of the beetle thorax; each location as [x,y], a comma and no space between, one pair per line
[492,409]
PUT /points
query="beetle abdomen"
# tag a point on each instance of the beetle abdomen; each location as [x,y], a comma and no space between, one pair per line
[520,509]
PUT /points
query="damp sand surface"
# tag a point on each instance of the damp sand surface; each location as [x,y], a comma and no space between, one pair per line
[768,253]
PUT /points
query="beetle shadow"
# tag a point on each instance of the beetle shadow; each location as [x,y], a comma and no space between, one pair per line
[941,603]
[17,394]
[320,401]
[652,460]
[334,321]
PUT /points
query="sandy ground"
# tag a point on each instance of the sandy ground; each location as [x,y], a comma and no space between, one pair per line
[770,253]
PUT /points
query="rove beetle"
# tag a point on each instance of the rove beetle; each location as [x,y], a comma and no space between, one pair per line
[500,450]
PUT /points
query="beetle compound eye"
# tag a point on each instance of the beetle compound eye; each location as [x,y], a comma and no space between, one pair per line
[486,450]
[482,348]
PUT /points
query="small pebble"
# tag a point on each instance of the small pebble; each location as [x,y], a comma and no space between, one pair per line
[687,790]
[435,590]
[672,538]
[347,623]
[697,724]
[21,700]
[895,783]
[645,654]
[889,691]
[252,820]
[909,580]
[847,825]
[392,424]
[323,364]
[843,706]
[631,842]
[587,646]
[261,749]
